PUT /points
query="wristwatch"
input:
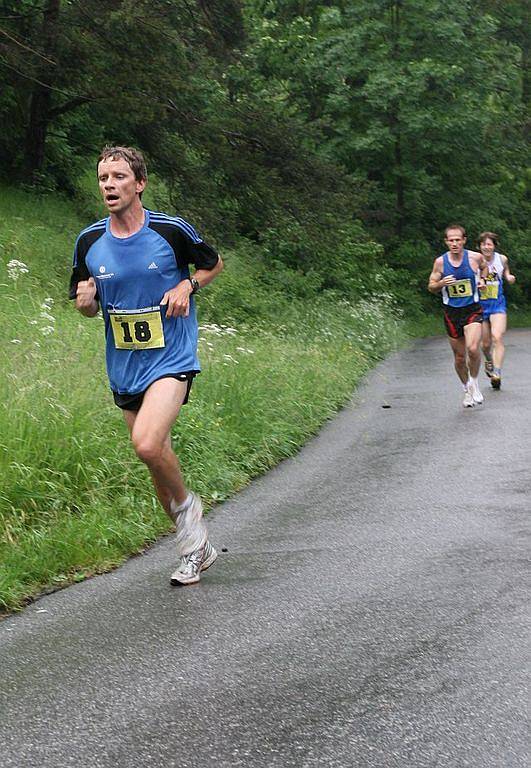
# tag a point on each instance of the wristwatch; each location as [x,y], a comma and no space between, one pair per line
[195,284]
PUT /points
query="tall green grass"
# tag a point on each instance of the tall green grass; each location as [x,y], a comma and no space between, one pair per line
[74,499]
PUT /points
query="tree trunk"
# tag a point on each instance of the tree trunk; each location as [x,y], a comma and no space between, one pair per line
[41,97]
[395,124]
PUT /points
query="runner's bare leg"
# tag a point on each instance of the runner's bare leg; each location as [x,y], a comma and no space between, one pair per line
[150,429]
[472,342]
[498,323]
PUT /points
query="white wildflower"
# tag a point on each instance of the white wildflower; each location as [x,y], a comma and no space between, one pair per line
[218,330]
[47,330]
[16,341]
[16,268]
[47,316]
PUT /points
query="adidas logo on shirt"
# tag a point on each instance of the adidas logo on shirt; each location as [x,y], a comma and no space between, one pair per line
[153,265]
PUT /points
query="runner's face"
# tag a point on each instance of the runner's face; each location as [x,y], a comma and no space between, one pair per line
[455,241]
[487,248]
[118,185]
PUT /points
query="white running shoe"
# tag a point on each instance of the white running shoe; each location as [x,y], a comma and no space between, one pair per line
[190,567]
[476,394]
[468,400]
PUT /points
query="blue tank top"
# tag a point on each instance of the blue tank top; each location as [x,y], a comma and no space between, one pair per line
[493,298]
[465,290]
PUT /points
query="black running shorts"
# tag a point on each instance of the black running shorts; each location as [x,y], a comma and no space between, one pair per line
[456,318]
[133,402]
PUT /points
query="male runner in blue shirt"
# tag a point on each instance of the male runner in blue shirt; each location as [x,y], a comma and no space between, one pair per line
[456,274]
[134,265]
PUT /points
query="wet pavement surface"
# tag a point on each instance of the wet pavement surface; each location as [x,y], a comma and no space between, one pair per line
[372,609]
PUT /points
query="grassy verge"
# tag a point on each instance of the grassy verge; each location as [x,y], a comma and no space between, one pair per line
[75,500]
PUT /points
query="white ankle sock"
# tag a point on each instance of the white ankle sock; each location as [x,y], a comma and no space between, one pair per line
[176,509]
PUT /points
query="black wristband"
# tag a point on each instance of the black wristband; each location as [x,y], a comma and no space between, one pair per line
[195,284]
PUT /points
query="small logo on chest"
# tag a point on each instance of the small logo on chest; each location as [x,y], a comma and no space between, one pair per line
[153,265]
[104,275]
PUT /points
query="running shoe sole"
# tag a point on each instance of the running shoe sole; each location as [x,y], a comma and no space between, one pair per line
[495,382]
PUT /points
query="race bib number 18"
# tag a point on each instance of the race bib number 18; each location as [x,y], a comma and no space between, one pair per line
[460,289]
[138,329]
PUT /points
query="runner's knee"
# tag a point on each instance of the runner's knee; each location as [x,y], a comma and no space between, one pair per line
[148,450]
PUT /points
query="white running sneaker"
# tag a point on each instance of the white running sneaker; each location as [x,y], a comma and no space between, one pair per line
[476,394]
[468,400]
[190,567]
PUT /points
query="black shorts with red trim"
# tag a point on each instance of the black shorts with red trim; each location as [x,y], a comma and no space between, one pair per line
[456,318]
[133,402]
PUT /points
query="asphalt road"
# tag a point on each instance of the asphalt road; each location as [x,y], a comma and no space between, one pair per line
[371,610]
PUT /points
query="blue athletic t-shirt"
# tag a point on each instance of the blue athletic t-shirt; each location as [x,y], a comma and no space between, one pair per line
[132,275]
[465,290]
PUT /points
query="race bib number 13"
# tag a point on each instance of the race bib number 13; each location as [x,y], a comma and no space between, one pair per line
[460,288]
[138,329]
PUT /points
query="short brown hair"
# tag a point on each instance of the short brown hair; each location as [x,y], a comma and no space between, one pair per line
[133,158]
[455,226]
[488,235]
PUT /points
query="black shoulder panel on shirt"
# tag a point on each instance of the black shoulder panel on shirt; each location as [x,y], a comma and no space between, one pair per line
[80,272]
[186,251]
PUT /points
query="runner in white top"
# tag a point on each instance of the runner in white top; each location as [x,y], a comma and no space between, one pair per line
[494,306]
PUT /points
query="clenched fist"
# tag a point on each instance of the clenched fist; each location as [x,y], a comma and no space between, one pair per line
[178,300]
[86,297]
[448,280]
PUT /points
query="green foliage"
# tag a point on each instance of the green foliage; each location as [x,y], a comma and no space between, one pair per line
[285,123]
[423,102]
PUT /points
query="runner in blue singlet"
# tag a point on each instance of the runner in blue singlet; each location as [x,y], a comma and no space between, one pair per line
[494,306]
[455,274]
[134,265]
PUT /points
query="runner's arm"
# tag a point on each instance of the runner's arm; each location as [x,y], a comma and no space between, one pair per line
[483,269]
[178,298]
[205,276]
[436,281]
[507,272]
